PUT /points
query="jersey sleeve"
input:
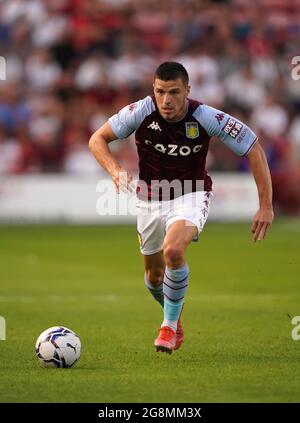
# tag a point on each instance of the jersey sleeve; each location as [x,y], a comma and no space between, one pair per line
[231,131]
[128,119]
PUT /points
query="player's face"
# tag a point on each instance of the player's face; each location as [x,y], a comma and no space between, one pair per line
[171,97]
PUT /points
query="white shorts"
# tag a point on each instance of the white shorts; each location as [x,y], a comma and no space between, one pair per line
[155,217]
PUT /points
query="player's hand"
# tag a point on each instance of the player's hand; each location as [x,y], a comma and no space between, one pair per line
[123,181]
[261,223]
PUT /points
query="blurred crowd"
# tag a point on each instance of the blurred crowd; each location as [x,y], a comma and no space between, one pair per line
[70,64]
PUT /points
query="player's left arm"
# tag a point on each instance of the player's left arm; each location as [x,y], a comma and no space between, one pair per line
[243,142]
[260,170]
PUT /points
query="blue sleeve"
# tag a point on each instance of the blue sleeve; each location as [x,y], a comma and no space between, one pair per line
[231,131]
[130,117]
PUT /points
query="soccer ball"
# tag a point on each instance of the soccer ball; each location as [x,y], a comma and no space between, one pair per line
[58,347]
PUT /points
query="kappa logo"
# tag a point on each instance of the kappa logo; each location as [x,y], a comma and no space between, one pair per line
[132,107]
[155,126]
[219,117]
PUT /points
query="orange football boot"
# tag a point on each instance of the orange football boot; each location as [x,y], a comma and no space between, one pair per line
[179,335]
[166,340]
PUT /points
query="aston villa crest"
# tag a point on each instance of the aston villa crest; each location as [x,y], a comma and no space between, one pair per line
[192,130]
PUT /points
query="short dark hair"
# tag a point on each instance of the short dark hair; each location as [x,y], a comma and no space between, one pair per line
[168,71]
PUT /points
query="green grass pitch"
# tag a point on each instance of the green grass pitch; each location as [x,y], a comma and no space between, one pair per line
[238,345]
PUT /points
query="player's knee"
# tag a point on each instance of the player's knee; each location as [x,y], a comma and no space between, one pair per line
[155,276]
[173,255]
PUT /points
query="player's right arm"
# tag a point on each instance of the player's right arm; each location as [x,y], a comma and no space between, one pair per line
[98,145]
[119,126]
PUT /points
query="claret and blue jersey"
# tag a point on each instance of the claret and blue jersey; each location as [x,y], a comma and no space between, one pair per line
[178,150]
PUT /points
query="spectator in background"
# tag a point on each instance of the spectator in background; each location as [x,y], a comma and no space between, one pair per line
[73,63]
